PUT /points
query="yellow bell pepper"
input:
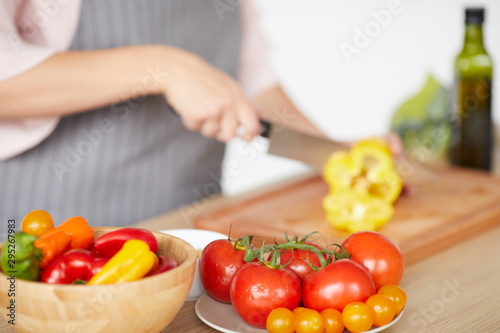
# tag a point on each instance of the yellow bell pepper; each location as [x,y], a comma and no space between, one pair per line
[353,211]
[131,263]
[363,186]
[368,169]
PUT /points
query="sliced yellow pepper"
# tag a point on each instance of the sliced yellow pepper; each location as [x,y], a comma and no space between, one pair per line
[368,168]
[353,211]
[131,263]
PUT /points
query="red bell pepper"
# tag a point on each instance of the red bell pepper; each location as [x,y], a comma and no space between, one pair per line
[73,265]
[165,263]
[110,243]
[92,249]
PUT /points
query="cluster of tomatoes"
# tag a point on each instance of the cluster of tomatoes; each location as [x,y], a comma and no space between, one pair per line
[298,286]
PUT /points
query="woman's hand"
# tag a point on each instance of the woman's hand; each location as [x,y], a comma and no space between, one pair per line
[207,99]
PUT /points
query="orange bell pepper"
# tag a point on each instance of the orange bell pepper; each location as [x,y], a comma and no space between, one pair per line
[82,235]
[52,245]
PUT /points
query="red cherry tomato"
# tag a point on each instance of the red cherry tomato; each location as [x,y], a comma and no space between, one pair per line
[219,261]
[377,253]
[257,289]
[336,285]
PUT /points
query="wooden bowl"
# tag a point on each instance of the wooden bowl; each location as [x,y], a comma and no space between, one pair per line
[146,305]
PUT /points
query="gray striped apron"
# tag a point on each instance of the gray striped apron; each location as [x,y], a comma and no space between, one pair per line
[124,163]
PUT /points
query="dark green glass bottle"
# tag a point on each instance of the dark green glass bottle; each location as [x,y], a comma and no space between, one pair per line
[472,137]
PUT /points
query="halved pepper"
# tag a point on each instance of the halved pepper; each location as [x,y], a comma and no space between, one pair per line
[353,211]
[20,257]
[368,168]
[131,263]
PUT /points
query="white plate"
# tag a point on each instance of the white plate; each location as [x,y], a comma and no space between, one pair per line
[223,317]
[198,239]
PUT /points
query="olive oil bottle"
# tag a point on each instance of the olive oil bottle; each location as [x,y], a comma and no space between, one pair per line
[472,137]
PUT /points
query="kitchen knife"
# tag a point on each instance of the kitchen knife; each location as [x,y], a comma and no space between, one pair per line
[314,151]
[285,142]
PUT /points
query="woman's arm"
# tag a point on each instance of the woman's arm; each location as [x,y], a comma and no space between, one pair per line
[207,99]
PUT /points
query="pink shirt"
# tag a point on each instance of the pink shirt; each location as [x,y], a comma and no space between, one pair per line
[33,30]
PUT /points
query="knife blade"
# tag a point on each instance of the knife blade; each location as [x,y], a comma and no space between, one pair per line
[314,151]
[311,150]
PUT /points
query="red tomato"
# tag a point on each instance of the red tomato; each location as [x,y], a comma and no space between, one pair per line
[377,253]
[218,264]
[336,285]
[257,289]
[297,261]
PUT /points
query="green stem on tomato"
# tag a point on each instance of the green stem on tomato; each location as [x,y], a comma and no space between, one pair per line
[295,244]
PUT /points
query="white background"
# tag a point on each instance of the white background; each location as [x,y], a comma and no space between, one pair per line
[356,97]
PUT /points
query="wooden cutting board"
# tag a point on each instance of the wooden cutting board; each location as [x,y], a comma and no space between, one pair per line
[448,206]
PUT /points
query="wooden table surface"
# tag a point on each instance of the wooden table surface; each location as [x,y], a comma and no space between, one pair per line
[456,290]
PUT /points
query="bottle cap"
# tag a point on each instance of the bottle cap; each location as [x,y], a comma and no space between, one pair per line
[474,15]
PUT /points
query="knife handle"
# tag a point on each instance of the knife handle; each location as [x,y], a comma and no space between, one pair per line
[266,128]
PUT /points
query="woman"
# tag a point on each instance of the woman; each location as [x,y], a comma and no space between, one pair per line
[118,110]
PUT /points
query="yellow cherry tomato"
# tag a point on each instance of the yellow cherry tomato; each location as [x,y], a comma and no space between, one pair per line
[357,317]
[332,319]
[37,222]
[280,320]
[383,309]
[396,295]
[298,309]
[309,321]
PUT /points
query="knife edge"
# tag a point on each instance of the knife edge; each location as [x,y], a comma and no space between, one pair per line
[311,150]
